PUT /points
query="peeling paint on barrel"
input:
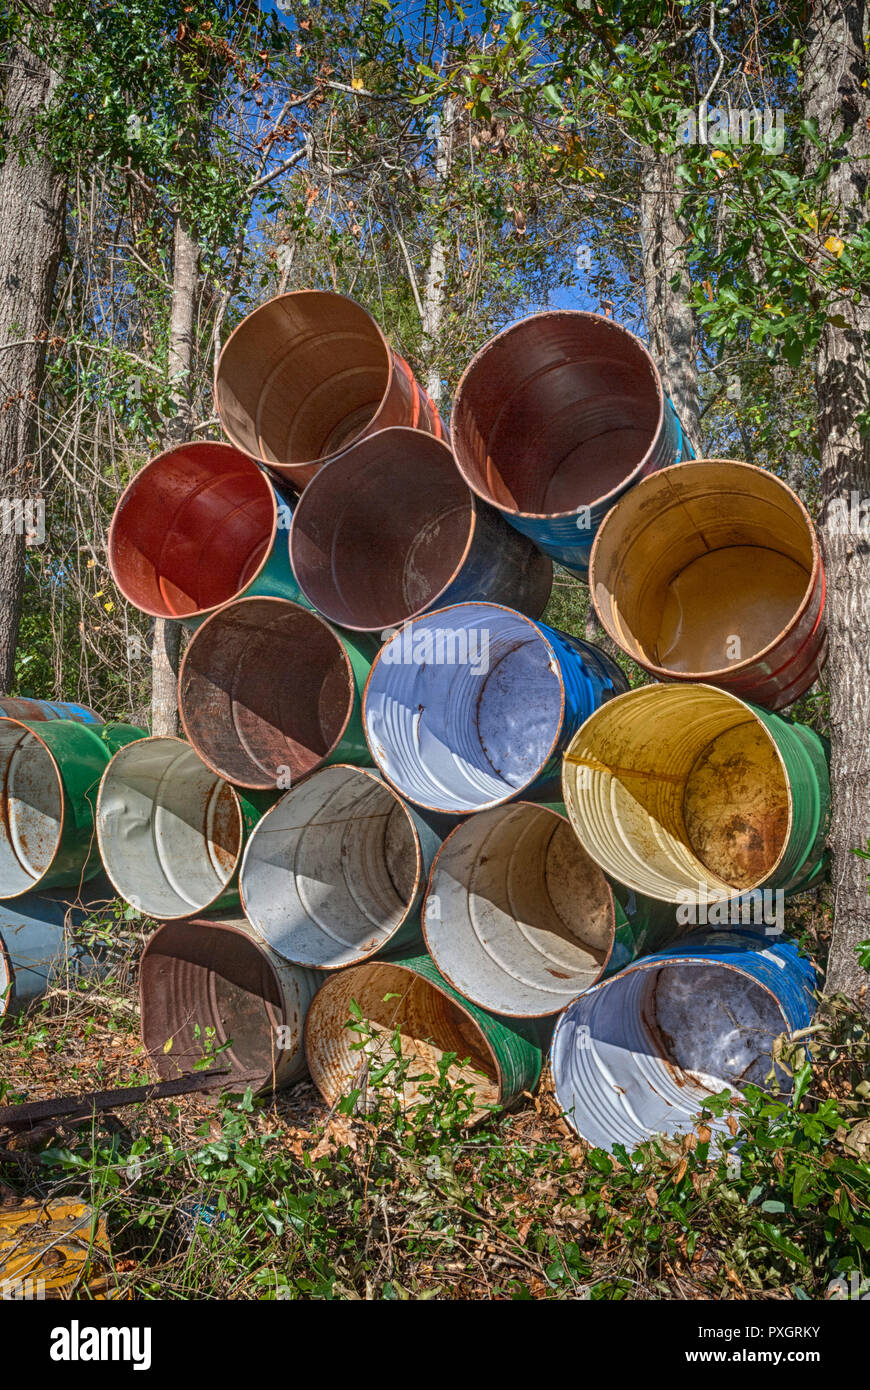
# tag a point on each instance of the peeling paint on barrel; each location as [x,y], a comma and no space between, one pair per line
[24,708]
[38,948]
[217,974]
[555,419]
[637,1054]
[711,571]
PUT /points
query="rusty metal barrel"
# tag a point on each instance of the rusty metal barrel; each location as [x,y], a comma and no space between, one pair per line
[711,571]
[685,792]
[39,710]
[390,530]
[309,373]
[336,871]
[38,948]
[637,1055]
[198,526]
[498,1058]
[470,706]
[49,774]
[171,832]
[268,692]
[517,916]
[209,987]
[557,417]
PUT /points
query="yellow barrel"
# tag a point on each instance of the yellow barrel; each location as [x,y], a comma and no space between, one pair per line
[682,790]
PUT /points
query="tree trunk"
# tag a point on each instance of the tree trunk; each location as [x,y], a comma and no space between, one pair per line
[166,640]
[835,95]
[670,318]
[32,198]
[435,288]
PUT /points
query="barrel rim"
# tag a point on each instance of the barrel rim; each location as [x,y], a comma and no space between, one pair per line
[607,499]
[164,918]
[232,340]
[320,478]
[379,947]
[557,671]
[682,688]
[661,479]
[463,825]
[62,796]
[136,481]
[222,612]
[460,1003]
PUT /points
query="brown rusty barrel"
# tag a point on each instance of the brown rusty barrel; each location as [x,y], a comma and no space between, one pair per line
[208,984]
[307,374]
[711,571]
[391,530]
[268,691]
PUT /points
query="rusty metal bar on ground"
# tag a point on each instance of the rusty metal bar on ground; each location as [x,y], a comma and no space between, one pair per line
[77,1107]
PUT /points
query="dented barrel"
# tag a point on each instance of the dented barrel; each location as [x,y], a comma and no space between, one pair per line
[197,527]
[391,530]
[49,775]
[557,417]
[498,1058]
[309,373]
[335,872]
[517,916]
[711,572]
[469,706]
[171,831]
[268,692]
[684,792]
[636,1055]
[24,708]
[209,988]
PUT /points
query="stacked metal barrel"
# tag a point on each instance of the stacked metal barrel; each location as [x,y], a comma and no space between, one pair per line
[366,819]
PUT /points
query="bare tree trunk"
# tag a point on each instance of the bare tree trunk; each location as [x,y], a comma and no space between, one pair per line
[166,641]
[670,318]
[435,288]
[835,95]
[32,198]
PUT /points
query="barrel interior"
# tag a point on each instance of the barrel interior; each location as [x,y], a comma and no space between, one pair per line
[265,687]
[332,870]
[703,568]
[519,918]
[639,1055]
[31,812]
[195,977]
[675,787]
[392,998]
[191,530]
[380,535]
[170,830]
[556,413]
[301,377]
[463,709]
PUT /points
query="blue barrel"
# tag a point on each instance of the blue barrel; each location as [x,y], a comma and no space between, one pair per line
[555,419]
[25,708]
[470,706]
[637,1054]
[36,950]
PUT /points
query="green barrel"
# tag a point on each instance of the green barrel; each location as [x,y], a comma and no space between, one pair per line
[50,774]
